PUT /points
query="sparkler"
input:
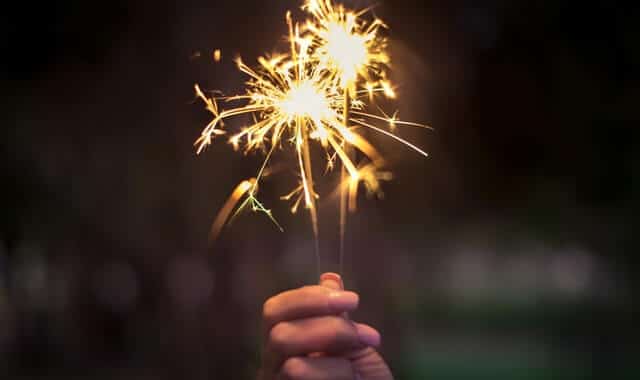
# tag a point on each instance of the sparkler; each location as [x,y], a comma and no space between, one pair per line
[321,91]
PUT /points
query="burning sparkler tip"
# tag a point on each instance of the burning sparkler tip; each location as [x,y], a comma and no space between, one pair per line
[317,91]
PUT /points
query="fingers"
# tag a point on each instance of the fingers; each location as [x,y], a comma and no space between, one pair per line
[309,301]
[319,368]
[331,335]
[309,336]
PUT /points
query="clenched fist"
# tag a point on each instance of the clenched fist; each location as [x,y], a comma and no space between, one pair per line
[309,337]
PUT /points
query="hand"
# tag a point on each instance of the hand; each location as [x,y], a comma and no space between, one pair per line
[309,337]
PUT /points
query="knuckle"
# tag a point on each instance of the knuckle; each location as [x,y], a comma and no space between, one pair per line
[294,369]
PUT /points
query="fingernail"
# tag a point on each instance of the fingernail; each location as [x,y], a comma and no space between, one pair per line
[331,280]
[343,301]
[368,335]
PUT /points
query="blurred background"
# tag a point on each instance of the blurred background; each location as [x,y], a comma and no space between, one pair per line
[508,254]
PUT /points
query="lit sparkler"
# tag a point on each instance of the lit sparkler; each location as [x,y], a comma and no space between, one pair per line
[346,45]
[320,90]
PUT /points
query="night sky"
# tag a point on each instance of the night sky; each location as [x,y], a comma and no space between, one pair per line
[535,154]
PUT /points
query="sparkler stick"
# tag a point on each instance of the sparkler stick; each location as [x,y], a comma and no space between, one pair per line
[343,189]
[311,202]
[320,90]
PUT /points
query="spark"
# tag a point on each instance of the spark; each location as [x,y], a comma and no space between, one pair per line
[346,44]
[319,91]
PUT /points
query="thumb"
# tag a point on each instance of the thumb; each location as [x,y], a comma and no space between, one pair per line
[331,281]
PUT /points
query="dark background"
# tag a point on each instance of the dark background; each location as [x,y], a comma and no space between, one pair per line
[508,254]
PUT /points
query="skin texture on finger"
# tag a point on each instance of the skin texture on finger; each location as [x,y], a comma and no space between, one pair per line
[308,301]
[318,368]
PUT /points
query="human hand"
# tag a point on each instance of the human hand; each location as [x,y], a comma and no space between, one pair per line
[309,337]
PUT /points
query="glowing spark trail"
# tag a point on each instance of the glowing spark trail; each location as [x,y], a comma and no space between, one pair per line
[320,90]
